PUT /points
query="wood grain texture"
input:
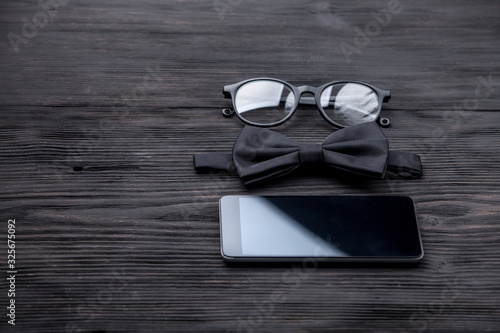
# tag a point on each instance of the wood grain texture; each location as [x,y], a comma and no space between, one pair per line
[105,104]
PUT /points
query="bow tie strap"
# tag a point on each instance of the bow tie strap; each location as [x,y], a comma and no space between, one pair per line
[260,154]
[224,162]
[213,162]
[400,165]
[404,164]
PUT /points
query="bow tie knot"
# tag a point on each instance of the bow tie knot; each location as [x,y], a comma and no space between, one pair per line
[311,153]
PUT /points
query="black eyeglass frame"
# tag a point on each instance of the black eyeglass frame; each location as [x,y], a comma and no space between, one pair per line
[229,91]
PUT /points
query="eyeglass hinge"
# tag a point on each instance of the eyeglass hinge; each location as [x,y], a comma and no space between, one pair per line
[384,122]
[226,112]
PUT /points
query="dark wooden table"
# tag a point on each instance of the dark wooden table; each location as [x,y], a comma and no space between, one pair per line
[104,102]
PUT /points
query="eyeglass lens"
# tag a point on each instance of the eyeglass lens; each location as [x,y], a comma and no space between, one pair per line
[350,103]
[267,102]
[264,101]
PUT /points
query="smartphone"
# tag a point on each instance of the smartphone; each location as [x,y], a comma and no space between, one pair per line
[323,228]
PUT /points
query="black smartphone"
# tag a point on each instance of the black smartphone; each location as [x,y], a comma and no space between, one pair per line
[323,228]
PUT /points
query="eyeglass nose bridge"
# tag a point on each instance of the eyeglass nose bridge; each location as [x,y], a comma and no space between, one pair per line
[307,100]
[307,89]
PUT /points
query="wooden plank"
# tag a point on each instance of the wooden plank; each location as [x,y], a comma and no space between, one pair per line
[104,106]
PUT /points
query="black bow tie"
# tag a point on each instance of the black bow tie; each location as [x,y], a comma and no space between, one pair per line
[260,154]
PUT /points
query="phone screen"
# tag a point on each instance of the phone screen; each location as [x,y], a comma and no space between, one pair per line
[337,227]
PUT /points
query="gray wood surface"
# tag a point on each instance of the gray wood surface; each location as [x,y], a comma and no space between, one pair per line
[104,102]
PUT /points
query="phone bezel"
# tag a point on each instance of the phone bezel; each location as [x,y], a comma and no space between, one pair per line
[230,236]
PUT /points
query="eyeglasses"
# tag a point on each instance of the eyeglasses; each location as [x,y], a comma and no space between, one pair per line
[269,102]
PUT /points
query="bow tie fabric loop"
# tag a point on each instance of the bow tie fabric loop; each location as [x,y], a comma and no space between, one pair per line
[311,153]
[261,154]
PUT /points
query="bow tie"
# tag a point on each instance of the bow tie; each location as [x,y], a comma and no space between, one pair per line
[261,154]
